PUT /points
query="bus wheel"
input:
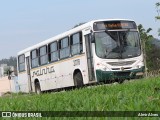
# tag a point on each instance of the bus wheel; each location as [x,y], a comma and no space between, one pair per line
[78,79]
[37,88]
[120,81]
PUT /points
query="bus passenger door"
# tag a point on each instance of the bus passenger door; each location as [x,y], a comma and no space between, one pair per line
[29,74]
[89,57]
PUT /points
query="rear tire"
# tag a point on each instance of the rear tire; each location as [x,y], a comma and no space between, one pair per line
[78,79]
[37,88]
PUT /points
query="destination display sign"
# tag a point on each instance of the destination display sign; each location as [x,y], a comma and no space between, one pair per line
[111,25]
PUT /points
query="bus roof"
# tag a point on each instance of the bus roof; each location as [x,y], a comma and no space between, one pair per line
[71,31]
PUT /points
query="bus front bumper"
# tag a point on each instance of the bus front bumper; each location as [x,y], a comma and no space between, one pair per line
[103,76]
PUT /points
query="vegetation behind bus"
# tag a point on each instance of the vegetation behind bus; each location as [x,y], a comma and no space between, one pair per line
[150,47]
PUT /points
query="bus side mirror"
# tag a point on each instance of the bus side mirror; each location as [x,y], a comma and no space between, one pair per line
[92,38]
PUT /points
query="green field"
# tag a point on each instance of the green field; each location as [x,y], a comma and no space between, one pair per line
[134,95]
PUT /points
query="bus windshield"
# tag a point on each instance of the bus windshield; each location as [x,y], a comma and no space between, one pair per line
[117,44]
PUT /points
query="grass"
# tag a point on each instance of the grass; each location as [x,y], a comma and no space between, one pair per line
[135,95]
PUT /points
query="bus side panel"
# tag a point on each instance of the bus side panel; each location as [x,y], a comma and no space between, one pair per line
[64,74]
[46,77]
[60,74]
[50,79]
[67,69]
[82,66]
[23,82]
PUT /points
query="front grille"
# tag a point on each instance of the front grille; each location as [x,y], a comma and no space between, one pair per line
[126,68]
[121,74]
[121,63]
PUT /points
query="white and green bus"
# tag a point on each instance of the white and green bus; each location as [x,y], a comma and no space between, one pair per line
[97,51]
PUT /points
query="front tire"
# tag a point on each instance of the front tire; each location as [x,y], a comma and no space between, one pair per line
[37,88]
[78,79]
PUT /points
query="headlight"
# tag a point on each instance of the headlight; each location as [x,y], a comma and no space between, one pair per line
[102,67]
[139,65]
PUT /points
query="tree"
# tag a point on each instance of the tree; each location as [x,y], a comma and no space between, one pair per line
[159,32]
[158,16]
[79,24]
[146,45]
[12,61]
[8,71]
[158,10]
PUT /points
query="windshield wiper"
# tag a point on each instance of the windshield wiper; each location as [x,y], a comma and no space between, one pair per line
[106,31]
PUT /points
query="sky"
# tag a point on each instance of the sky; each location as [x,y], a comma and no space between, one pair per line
[24,23]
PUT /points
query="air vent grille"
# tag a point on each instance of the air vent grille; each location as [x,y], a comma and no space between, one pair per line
[121,63]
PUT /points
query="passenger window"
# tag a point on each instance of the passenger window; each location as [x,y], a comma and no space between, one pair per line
[34,58]
[21,62]
[53,52]
[64,48]
[43,56]
[76,43]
